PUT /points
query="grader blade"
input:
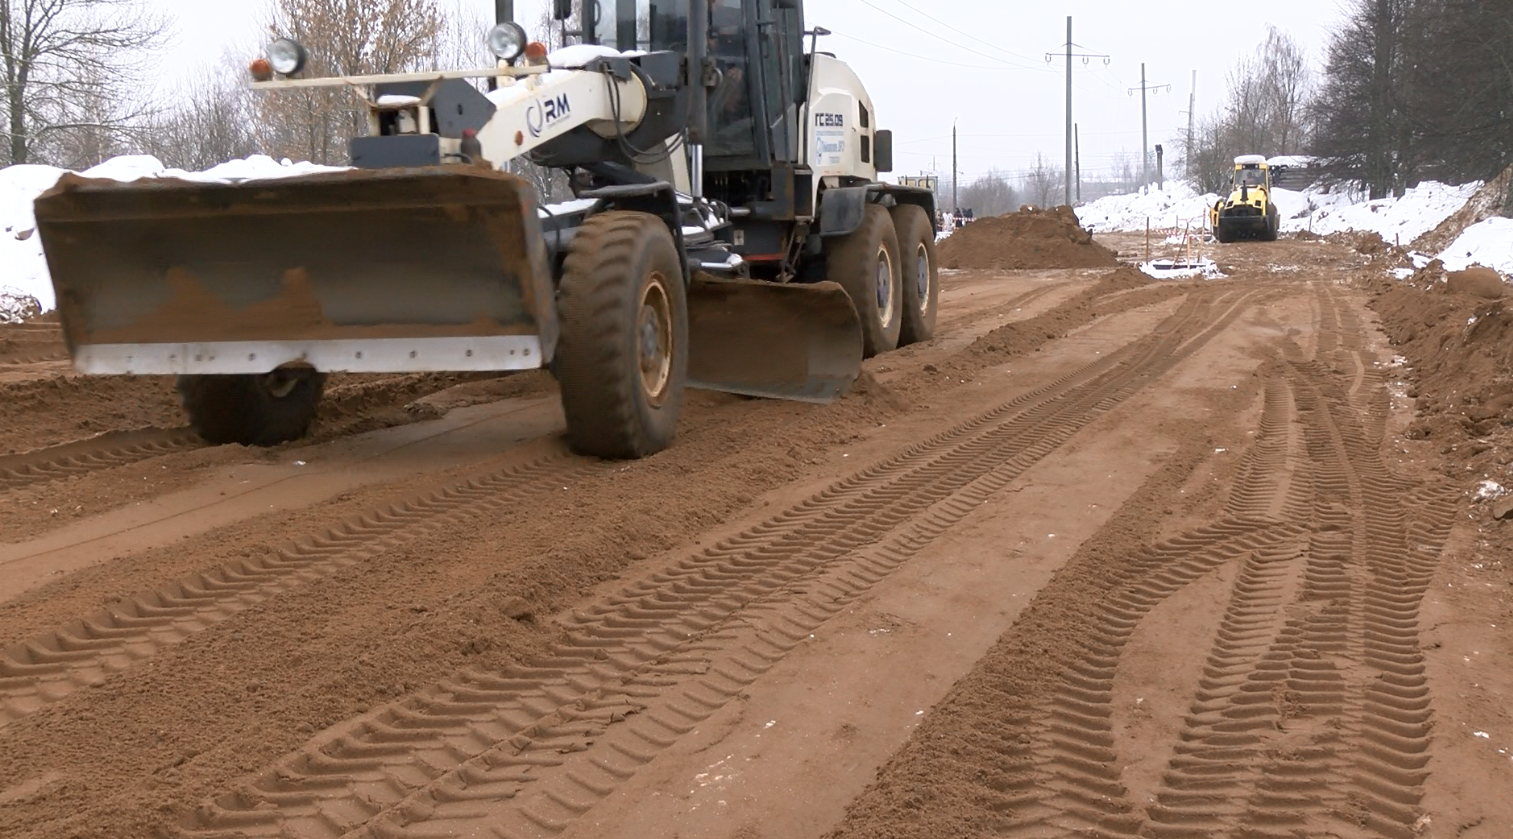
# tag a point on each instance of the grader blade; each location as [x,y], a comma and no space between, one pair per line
[795,342]
[404,270]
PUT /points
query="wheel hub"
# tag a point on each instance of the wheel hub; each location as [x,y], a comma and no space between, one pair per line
[654,347]
[281,383]
[922,278]
[884,286]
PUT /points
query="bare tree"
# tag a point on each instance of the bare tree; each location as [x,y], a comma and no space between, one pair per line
[69,65]
[343,38]
[1044,180]
[1361,109]
[990,195]
[1265,112]
[462,40]
[213,123]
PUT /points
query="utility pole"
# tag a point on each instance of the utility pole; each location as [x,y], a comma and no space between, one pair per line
[1145,149]
[1192,108]
[1077,132]
[955,202]
[1070,130]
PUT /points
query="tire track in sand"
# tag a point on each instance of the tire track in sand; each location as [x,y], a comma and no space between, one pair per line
[55,664]
[51,666]
[107,451]
[525,751]
[1312,707]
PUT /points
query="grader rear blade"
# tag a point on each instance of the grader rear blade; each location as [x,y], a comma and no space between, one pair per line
[796,342]
[431,269]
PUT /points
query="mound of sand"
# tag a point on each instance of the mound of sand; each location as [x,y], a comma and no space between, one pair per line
[1030,238]
[1460,346]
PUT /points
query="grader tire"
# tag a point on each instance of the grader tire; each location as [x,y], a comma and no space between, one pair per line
[919,271]
[622,358]
[866,265]
[252,410]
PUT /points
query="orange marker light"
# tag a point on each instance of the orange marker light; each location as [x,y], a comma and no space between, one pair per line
[535,49]
[261,70]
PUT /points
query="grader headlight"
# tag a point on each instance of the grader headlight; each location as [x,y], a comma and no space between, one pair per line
[287,56]
[507,41]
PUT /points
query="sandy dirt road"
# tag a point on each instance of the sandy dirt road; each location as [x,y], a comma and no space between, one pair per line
[1108,557]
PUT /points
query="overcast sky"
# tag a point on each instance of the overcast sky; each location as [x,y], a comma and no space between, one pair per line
[924,71]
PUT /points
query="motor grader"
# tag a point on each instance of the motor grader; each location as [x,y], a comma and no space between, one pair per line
[728,231]
[1248,212]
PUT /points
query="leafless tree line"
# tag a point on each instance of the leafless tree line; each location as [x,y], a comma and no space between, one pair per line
[76,79]
[1408,90]
[1418,89]
[1266,111]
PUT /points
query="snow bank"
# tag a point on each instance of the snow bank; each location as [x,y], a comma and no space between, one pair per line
[1396,220]
[1404,219]
[1489,244]
[22,267]
[1289,160]
[1175,207]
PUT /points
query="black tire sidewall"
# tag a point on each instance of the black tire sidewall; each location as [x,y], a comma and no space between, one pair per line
[239,409]
[853,264]
[914,231]
[609,414]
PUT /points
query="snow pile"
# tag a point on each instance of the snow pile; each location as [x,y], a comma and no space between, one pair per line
[16,306]
[23,270]
[1167,269]
[1177,206]
[1289,161]
[1396,220]
[1488,244]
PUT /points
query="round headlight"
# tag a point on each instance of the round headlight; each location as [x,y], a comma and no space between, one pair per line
[507,41]
[286,56]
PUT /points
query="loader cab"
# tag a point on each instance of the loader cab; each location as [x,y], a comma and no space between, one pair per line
[1251,176]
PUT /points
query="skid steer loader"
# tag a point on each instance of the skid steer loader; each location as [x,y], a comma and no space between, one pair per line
[729,231]
[1248,212]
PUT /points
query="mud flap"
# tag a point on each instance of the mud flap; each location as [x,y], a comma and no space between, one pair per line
[796,342]
[438,268]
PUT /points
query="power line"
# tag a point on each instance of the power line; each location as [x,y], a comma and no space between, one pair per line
[944,39]
[925,14]
[897,51]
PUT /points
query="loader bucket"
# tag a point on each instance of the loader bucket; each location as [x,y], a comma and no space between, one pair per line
[436,268]
[781,341]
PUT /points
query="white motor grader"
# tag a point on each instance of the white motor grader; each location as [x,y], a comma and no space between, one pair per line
[729,232]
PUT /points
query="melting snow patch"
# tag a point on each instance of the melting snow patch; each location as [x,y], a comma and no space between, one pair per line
[1170,269]
[1489,243]
[1487,490]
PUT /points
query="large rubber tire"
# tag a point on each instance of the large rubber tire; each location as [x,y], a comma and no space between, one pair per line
[622,358]
[860,263]
[919,271]
[252,410]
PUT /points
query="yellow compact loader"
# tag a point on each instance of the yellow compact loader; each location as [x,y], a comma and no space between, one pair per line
[1248,212]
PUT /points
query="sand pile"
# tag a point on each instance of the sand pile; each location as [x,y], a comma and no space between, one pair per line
[1459,344]
[1030,238]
